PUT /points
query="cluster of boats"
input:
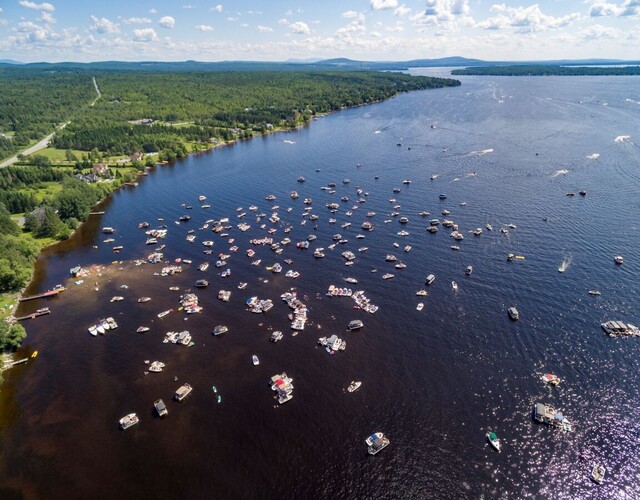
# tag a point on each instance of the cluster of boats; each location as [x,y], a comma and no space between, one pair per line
[282,385]
[102,326]
[257,306]
[618,328]
[189,303]
[332,343]
[298,317]
[183,338]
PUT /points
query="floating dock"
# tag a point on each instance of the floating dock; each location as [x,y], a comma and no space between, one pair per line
[45,295]
[40,312]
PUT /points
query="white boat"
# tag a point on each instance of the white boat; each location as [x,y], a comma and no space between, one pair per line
[595,292]
[420,306]
[550,378]
[142,329]
[454,285]
[598,473]
[220,329]
[276,336]
[493,439]
[182,392]
[430,279]
[514,314]
[160,408]
[128,421]
[255,360]
[618,259]
[387,276]
[376,442]
[355,324]
[164,313]
[354,386]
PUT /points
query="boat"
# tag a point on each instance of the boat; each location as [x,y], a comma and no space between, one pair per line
[355,324]
[142,329]
[183,391]
[276,336]
[142,300]
[598,472]
[594,292]
[376,442]
[128,421]
[204,266]
[514,314]
[583,192]
[156,366]
[547,414]
[387,276]
[422,293]
[75,270]
[614,328]
[430,279]
[108,230]
[201,284]
[454,285]
[420,306]
[255,360]
[354,386]
[164,313]
[202,198]
[493,439]
[161,408]
[618,259]
[550,378]
[242,285]
[443,196]
[220,329]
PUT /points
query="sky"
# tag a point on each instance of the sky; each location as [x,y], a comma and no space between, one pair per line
[279,30]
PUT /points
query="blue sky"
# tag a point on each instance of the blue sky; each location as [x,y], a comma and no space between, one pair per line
[135,30]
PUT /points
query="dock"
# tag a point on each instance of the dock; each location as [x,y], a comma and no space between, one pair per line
[40,312]
[96,213]
[45,295]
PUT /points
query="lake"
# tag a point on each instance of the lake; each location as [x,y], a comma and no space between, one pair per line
[505,152]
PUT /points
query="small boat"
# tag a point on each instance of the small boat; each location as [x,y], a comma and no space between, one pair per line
[493,439]
[142,329]
[550,378]
[75,270]
[454,285]
[161,408]
[594,292]
[220,329]
[164,313]
[201,284]
[387,276]
[376,442]
[420,306]
[354,386]
[598,472]
[468,270]
[514,314]
[276,336]
[182,392]
[618,259]
[430,279]
[128,421]
[255,360]
[142,300]
[109,230]
[355,324]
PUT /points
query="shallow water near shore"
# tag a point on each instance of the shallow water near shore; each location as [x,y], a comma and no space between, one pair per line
[434,381]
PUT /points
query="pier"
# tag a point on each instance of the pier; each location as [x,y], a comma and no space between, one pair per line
[40,312]
[45,295]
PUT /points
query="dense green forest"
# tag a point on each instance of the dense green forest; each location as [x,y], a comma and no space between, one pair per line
[542,70]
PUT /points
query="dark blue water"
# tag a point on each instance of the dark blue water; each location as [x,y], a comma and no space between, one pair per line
[434,381]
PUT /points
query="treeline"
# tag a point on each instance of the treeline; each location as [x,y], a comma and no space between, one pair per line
[542,70]
[205,106]
[15,180]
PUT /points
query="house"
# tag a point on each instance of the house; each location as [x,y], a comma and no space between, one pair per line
[100,169]
[88,178]
[137,156]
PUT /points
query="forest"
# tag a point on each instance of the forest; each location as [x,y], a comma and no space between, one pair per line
[548,70]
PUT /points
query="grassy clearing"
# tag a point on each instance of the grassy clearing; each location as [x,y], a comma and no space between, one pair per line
[7,301]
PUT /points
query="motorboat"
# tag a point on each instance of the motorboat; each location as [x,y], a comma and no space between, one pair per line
[618,259]
[220,329]
[376,442]
[128,421]
[109,230]
[614,328]
[598,472]
[468,270]
[355,324]
[156,366]
[142,329]
[387,276]
[430,279]
[161,408]
[143,300]
[420,306]
[550,378]
[354,386]
[595,292]
[454,285]
[493,439]
[255,360]
[182,392]
[547,414]
[513,314]
[201,284]
[276,336]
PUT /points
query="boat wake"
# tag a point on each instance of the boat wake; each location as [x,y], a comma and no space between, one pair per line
[623,138]
[482,152]
[631,100]
[378,132]
[287,141]
[563,171]
[565,264]
[593,156]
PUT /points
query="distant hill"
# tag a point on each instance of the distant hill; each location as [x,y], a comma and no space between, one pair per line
[9,61]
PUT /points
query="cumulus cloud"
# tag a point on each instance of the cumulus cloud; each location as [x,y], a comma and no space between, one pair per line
[153,11]
[300,28]
[138,20]
[204,27]
[47,17]
[283,21]
[402,11]
[264,29]
[626,8]
[37,6]
[524,20]
[218,8]
[349,14]
[353,27]
[598,32]
[145,35]
[103,25]
[445,14]
[383,4]
[187,6]
[32,32]
[167,22]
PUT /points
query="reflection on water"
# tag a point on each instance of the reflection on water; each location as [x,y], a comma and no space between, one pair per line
[433,380]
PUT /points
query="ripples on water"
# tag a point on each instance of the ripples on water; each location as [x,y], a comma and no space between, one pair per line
[435,381]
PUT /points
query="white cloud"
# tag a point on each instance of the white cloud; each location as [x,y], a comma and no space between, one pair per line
[218,8]
[396,28]
[353,27]
[350,14]
[232,19]
[300,28]
[283,21]
[103,25]
[204,27]
[244,25]
[0,9]
[167,22]
[47,17]
[255,12]
[188,7]
[383,4]
[444,14]
[37,6]
[626,8]
[265,29]
[375,34]
[32,32]
[402,11]
[138,20]
[288,13]
[524,20]
[153,11]
[145,35]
